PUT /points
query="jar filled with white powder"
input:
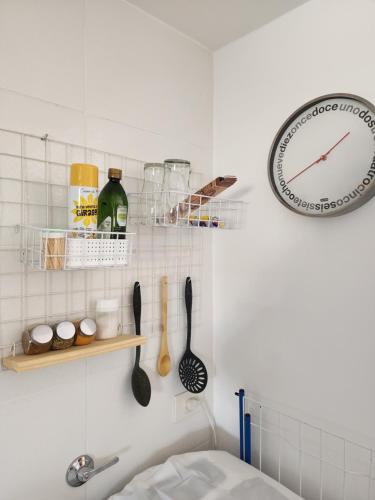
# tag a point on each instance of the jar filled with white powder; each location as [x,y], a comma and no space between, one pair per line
[107,318]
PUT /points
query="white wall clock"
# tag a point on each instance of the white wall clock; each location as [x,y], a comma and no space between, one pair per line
[322,160]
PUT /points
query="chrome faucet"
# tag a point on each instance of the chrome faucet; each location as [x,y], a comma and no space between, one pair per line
[83,468]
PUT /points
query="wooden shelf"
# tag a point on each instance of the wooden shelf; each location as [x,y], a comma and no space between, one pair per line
[24,363]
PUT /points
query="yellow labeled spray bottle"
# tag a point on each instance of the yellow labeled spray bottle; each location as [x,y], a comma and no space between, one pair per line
[83,197]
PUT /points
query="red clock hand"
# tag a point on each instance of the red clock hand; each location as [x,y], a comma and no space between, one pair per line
[304,170]
[322,158]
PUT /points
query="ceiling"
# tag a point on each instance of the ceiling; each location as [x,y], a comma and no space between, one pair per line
[215,23]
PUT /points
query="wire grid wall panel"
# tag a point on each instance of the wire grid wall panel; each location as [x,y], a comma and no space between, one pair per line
[314,463]
[34,180]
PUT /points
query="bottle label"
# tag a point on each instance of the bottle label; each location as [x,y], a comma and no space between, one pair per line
[83,208]
[122,215]
[106,225]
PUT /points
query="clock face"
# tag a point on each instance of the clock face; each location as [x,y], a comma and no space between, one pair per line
[322,161]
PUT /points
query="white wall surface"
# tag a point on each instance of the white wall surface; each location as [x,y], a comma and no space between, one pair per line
[293,296]
[98,72]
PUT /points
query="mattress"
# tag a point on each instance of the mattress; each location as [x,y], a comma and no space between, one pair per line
[205,475]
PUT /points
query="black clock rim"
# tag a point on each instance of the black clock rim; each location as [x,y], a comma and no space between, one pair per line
[342,95]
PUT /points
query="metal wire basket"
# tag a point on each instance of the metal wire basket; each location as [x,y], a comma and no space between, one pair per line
[58,249]
[166,208]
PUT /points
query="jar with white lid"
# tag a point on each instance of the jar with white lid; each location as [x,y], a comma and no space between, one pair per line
[37,339]
[63,335]
[86,330]
[107,318]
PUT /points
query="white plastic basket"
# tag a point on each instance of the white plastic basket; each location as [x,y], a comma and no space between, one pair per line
[57,249]
[96,253]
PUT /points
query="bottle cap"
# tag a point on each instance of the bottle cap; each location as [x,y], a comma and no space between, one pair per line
[65,330]
[114,173]
[41,334]
[88,326]
[177,161]
[83,174]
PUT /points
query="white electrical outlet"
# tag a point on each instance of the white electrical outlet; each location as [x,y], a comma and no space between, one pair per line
[186,404]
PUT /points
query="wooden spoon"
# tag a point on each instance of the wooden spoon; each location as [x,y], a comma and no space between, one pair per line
[164,360]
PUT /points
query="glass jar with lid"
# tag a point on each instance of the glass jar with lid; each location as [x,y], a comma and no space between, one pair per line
[63,335]
[177,175]
[107,318]
[152,192]
[176,184]
[37,339]
[85,333]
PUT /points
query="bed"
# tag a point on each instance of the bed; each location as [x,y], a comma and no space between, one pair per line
[205,475]
[316,462]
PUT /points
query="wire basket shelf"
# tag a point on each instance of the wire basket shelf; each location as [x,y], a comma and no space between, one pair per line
[59,249]
[175,208]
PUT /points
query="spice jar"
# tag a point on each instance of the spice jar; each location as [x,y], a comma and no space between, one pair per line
[37,339]
[63,335]
[107,318]
[86,330]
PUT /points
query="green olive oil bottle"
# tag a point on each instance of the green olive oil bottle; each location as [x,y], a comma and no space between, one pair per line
[113,205]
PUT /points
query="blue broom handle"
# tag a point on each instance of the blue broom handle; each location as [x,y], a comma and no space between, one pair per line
[248,438]
[241,395]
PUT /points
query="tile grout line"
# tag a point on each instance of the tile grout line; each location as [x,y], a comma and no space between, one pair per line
[85,272]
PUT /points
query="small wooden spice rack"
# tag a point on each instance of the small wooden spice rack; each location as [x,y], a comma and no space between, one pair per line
[23,363]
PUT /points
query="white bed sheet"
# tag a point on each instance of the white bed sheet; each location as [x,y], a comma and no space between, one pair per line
[205,475]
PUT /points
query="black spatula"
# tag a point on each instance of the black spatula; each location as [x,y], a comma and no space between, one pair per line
[193,373]
[140,383]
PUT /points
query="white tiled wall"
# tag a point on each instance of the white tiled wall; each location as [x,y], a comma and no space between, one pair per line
[100,73]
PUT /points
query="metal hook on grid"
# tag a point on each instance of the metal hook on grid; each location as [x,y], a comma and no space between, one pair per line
[44,137]
[12,352]
[12,347]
